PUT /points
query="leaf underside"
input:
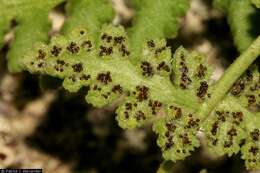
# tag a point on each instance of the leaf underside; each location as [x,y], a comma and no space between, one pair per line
[162,89]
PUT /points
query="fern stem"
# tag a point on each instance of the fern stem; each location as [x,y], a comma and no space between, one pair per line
[239,66]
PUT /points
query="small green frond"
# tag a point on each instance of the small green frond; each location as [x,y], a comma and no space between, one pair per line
[91,14]
[155,19]
[33,25]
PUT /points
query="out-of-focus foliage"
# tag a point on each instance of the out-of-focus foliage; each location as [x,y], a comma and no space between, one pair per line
[243,18]
[256,2]
[33,25]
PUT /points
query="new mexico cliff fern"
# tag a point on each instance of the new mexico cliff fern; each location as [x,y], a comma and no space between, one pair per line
[173,91]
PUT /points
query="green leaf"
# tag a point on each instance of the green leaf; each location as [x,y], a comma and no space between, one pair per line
[33,25]
[91,14]
[256,2]
[177,132]
[155,19]
[233,126]
[107,71]
[247,89]
[164,89]
[243,19]
[78,61]
[192,73]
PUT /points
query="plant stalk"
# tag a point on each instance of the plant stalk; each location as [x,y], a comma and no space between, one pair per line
[236,69]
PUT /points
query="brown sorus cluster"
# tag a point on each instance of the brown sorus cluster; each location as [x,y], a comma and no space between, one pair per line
[142,93]
[154,105]
[237,88]
[254,150]
[59,66]
[82,32]
[87,44]
[169,144]
[202,90]
[128,106]
[41,64]
[201,71]
[193,123]
[55,51]
[41,54]
[126,115]
[117,89]
[249,75]
[170,130]
[238,116]
[214,128]
[185,79]
[105,50]
[170,127]
[159,50]
[84,77]
[150,44]
[124,50]
[228,144]
[73,78]
[77,67]
[163,66]
[231,133]
[251,99]
[255,134]
[73,47]
[147,69]
[104,78]
[185,139]
[221,116]
[117,41]
[178,111]
[140,116]
[106,37]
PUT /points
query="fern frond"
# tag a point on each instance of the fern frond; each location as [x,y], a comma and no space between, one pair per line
[158,89]
[81,63]
[91,14]
[33,25]
[174,92]
[155,19]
